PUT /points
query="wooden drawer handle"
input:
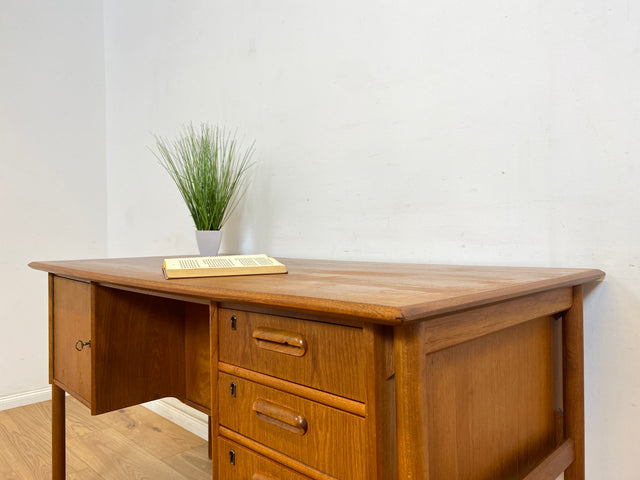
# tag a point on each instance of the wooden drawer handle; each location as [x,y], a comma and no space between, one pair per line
[280,416]
[281,341]
[259,476]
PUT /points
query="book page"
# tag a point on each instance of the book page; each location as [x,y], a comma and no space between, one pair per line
[226,261]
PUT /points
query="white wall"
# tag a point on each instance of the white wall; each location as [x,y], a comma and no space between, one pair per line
[53,173]
[446,131]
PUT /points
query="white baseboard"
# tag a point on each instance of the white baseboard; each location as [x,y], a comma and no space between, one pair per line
[25,398]
[186,417]
[173,410]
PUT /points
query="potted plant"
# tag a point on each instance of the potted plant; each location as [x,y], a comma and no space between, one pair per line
[209,167]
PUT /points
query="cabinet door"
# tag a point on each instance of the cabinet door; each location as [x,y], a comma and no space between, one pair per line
[71,331]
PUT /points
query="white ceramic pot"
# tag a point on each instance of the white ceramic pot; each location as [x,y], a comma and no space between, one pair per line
[208,242]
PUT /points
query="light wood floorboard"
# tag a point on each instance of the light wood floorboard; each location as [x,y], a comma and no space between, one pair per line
[129,444]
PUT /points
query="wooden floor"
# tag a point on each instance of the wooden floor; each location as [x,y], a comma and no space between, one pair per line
[133,443]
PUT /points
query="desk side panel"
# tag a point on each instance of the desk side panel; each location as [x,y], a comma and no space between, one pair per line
[489,403]
[138,348]
[197,357]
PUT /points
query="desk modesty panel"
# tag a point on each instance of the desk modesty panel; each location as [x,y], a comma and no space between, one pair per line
[336,370]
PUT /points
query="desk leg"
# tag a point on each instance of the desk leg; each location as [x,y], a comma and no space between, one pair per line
[58,429]
[573,383]
[210,440]
[411,400]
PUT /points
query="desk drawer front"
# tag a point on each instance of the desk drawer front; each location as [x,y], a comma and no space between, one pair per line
[322,437]
[320,355]
[71,317]
[238,463]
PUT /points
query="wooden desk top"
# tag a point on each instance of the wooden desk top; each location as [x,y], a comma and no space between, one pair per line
[388,293]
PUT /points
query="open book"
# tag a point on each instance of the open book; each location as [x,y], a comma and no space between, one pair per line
[221,266]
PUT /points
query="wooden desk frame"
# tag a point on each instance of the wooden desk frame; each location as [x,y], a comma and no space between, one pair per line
[429,368]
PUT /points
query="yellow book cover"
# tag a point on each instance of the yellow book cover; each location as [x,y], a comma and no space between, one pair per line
[221,266]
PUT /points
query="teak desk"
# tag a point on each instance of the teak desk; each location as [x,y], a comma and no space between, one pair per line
[336,370]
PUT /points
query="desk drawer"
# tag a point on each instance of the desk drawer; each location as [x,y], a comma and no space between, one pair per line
[322,437]
[71,321]
[239,463]
[320,355]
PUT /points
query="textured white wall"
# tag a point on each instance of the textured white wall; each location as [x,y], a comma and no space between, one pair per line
[53,172]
